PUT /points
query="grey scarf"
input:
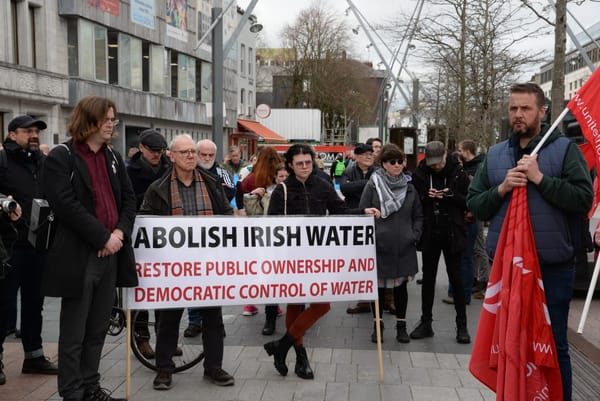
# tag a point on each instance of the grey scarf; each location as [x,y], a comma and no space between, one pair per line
[391,191]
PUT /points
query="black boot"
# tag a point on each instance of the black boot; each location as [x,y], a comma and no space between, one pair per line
[279,350]
[269,327]
[423,330]
[462,334]
[401,334]
[374,334]
[302,369]
[2,375]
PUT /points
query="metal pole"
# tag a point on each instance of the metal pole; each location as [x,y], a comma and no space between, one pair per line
[217,82]
[415,106]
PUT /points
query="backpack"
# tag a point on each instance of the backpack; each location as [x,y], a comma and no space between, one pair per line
[340,166]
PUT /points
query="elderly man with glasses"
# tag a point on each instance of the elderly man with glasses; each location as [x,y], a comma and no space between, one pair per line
[189,191]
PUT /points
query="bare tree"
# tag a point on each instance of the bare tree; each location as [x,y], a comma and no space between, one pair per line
[320,74]
[471,44]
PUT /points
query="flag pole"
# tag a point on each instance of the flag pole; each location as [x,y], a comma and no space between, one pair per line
[550,130]
[588,299]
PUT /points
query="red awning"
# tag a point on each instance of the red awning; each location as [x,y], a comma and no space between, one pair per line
[261,131]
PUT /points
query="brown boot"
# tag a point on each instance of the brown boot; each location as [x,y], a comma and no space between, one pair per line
[388,301]
[361,307]
[146,349]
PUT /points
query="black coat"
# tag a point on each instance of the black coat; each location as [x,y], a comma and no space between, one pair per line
[353,183]
[142,175]
[457,181]
[157,200]
[315,197]
[79,234]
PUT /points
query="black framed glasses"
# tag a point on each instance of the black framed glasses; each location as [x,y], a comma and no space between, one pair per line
[187,152]
[395,161]
[303,163]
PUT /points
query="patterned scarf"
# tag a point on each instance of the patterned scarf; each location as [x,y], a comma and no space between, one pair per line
[203,203]
[391,191]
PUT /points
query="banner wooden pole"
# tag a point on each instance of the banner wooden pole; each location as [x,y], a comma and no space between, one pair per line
[378,332]
[128,356]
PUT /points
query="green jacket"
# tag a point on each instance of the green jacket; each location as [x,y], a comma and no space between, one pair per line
[571,193]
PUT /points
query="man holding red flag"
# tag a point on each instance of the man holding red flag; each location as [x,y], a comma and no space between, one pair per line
[559,194]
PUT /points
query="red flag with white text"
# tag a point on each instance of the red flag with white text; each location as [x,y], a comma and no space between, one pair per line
[585,106]
[514,353]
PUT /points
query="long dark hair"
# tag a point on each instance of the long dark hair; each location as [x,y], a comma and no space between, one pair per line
[89,112]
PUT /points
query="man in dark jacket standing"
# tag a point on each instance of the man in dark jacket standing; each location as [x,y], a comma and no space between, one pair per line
[94,207]
[356,176]
[145,167]
[21,176]
[189,191]
[149,164]
[442,185]
[352,183]
[559,192]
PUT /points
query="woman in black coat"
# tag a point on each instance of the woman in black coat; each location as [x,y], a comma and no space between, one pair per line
[397,231]
[304,194]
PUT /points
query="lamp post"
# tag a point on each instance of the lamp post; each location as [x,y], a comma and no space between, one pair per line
[217,81]
[218,51]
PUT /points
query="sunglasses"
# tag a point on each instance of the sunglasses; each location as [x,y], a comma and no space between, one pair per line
[394,162]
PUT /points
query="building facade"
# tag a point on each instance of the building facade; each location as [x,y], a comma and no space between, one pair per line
[576,70]
[143,54]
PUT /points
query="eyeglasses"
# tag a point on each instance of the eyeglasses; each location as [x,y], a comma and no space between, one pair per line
[394,162]
[185,152]
[303,163]
[114,121]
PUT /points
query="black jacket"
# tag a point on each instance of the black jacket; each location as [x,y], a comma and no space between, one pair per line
[142,175]
[315,197]
[453,177]
[21,178]
[79,233]
[353,183]
[157,200]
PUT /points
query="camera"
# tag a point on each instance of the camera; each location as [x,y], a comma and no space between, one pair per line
[7,205]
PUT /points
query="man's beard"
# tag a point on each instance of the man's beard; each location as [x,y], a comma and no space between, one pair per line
[33,145]
[206,166]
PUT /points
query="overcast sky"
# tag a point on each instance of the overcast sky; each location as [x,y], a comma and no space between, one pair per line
[275,14]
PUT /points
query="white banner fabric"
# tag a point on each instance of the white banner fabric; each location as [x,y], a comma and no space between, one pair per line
[217,261]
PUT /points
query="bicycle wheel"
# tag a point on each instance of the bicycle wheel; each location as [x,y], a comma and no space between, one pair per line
[191,349]
[116,323]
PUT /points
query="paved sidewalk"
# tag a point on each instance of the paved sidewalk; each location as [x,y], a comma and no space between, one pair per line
[340,351]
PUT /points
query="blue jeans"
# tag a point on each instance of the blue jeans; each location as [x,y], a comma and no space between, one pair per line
[558,285]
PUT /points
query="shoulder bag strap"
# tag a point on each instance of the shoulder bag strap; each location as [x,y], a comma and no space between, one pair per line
[284,198]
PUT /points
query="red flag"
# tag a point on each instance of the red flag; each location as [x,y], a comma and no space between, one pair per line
[589,154]
[585,106]
[514,352]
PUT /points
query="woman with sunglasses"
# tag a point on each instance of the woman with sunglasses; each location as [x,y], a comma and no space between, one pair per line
[396,233]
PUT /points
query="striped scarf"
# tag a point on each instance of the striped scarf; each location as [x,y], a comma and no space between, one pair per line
[203,203]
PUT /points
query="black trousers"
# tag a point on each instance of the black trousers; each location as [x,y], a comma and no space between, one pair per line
[431,258]
[168,335]
[83,327]
[26,273]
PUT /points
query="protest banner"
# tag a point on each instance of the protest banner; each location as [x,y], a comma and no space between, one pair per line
[193,261]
